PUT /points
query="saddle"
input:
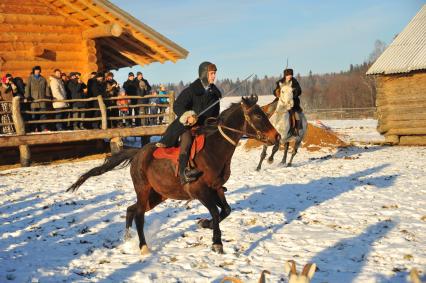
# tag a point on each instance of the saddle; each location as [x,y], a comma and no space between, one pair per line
[172,153]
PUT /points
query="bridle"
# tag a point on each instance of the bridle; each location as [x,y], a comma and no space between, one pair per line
[247,122]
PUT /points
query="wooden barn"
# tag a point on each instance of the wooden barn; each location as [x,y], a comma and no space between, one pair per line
[76,35]
[401,85]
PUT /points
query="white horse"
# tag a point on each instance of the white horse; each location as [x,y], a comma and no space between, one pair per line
[280,119]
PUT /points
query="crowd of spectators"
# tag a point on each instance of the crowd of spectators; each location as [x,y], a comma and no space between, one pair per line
[60,86]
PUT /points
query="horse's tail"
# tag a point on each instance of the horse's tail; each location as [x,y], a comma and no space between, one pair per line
[124,157]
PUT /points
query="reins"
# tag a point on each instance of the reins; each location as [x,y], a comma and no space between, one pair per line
[247,121]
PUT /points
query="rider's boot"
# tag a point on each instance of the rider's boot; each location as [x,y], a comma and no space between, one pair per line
[187,174]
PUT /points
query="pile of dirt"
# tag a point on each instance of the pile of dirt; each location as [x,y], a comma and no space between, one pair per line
[315,139]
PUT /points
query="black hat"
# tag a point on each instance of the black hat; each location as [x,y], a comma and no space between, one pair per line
[288,72]
[139,73]
[72,74]
[99,75]
[131,74]
[203,70]
[36,68]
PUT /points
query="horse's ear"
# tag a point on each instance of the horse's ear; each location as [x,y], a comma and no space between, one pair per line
[309,270]
[281,84]
[290,267]
[254,98]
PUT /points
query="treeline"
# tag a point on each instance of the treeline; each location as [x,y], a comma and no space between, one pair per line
[347,89]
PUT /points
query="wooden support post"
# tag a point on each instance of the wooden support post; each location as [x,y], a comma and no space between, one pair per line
[171,103]
[102,107]
[116,145]
[18,122]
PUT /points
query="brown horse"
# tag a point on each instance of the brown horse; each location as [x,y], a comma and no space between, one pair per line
[155,181]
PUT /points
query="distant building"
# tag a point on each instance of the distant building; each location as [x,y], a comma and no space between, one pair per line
[83,35]
[401,85]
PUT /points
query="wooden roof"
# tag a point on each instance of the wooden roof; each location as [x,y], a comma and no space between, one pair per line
[139,44]
[120,39]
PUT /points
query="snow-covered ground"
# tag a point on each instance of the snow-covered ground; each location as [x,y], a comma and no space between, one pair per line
[359,213]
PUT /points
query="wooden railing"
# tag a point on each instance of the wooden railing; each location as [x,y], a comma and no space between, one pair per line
[19,122]
[23,139]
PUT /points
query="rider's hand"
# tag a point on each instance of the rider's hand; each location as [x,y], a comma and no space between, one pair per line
[191,120]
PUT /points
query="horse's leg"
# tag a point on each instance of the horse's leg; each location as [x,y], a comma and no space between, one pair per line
[274,150]
[262,157]
[284,160]
[130,215]
[293,153]
[153,200]
[225,210]
[208,199]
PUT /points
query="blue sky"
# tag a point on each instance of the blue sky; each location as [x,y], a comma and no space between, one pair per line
[256,36]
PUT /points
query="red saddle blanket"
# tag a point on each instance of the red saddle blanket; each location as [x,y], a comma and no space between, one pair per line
[172,153]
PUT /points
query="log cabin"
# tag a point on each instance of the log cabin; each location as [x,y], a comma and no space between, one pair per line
[400,74]
[77,35]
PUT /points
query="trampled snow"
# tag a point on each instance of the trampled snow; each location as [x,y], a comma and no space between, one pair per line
[359,213]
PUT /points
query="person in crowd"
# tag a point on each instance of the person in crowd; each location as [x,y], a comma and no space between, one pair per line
[37,88]
[144,89]
[58,92]
[123,108]
[78,90]
[153,110]
[291,81]
[162,100]
[131,88]
[97,87]
[91,104]
[112,90]
[8,90]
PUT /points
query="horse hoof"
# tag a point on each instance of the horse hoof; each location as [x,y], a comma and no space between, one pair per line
[218,248]
[204,223]
[288,165]
[127,235]
[145,250]
[258,169]
[270,160]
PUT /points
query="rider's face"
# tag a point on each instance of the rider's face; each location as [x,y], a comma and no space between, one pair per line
[288,77]
[211,76]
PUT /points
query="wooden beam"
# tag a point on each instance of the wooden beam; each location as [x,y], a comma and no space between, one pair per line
[134,57]
[103,31]
[120,59]
[81,11]
[25,46]
[141,47]
[67,16]
[35,19]
[71,136]
[40,37]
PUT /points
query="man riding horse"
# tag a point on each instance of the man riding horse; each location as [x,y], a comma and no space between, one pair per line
[198,96]
[289,80]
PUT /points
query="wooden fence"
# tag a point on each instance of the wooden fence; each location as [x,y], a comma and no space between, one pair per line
[341,113]
[24,139]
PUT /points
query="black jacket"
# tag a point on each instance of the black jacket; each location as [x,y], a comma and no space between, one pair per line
[131,87]
[76,90]
[97,88]
[297,91]
[195,98]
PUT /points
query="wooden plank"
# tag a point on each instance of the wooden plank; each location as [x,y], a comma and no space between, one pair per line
[412,140]
[84,135]
[407,131]
[35,19]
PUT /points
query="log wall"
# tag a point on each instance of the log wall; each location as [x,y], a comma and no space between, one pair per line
[35,34]
[401,107]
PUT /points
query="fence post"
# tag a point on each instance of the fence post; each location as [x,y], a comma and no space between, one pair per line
[18,122]
[171,103]
[102,107]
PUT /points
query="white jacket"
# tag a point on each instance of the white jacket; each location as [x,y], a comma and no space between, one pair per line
[57,89]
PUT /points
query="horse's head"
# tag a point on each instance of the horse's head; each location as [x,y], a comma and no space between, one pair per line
[256,121]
